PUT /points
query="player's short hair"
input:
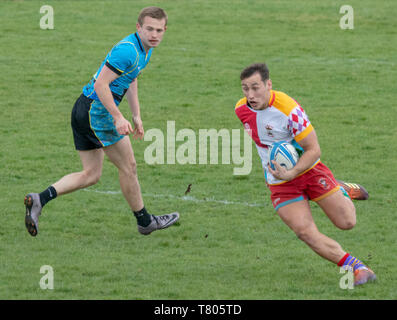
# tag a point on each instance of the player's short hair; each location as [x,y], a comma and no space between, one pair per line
[153,12]
[261,68]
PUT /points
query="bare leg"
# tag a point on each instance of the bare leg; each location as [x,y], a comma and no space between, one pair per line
[298,217]
[122,156]
[340,210]
[92,161]
[92,168]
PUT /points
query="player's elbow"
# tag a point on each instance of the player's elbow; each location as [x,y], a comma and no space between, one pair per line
[317,152]
[98,85]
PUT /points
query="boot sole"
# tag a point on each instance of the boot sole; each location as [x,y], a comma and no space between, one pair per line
[29,223]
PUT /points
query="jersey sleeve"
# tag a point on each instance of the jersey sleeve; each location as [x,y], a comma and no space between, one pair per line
[122,57]
[299,124]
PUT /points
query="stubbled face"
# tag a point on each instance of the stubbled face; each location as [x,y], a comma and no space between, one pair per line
[151,32]
[256,91]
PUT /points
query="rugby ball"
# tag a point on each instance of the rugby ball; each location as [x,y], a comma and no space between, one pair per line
[284,153]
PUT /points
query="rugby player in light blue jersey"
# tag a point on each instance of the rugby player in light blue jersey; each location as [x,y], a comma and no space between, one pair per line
[100,128]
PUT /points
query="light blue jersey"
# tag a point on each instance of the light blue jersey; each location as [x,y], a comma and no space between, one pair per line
[127,59]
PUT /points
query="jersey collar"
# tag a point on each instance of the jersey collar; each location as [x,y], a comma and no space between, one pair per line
[139,42]
[272,97]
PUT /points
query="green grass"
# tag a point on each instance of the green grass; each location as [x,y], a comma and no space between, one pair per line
[345,80]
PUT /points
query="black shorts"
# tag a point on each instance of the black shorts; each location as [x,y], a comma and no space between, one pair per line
[83,135]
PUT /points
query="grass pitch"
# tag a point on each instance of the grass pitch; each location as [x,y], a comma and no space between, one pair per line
[229,244]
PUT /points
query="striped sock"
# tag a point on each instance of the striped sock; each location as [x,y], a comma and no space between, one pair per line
[349,261]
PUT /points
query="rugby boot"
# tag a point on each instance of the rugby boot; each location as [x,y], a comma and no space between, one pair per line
[33,211]
[354,190]
[159,222]
[363,275]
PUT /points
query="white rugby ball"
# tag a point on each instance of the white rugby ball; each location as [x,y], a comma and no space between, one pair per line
[284,153]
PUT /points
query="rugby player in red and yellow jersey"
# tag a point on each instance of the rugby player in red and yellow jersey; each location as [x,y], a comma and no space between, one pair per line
[272,116]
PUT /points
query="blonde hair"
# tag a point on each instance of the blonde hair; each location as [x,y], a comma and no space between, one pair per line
[153,12]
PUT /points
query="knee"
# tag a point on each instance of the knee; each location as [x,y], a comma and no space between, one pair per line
[92,177]
[129,168]
[306,235]
[349,219]
[348,223]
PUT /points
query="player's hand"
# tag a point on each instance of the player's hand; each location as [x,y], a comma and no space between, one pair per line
[138,131]
[281,173]
[123,126]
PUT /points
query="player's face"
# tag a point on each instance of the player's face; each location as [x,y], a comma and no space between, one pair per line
[151,32]
[256,91]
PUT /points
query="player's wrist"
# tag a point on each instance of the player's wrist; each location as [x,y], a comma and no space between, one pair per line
[293,174]
[118,117]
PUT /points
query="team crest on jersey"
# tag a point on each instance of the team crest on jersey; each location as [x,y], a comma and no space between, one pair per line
[323,183]
[269,129]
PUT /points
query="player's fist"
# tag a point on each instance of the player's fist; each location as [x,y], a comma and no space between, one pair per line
[138,131]
[123,126]
[281,172]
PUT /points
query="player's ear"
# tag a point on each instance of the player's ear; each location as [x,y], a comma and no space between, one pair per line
[269,84]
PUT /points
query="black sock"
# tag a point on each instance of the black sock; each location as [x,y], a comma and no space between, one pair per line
[143,218]
[47,195]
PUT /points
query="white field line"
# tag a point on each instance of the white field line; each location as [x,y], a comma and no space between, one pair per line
[184,198]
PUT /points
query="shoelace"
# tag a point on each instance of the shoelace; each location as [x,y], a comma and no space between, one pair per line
[165,217]
[157,218]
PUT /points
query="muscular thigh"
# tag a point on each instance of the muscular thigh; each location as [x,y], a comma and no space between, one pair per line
[298,217]
[339,209]
[121,153]
[92,160]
